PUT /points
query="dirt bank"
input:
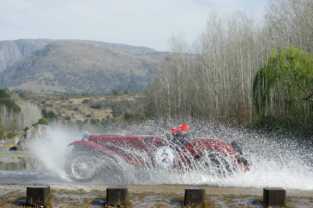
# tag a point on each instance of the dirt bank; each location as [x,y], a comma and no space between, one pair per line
[153,196]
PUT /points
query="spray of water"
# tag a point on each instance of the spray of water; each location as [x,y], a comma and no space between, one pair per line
[50,146]
[277,160]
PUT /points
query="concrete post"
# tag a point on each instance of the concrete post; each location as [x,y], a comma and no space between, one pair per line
[117,196]
[194,197]
[37,196]
[274,197]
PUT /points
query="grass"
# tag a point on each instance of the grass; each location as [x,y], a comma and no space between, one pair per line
[17,154]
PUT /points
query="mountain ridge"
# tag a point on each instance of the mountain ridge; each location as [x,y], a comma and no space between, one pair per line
[77,66]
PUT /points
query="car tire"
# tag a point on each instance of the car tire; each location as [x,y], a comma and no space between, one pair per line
[96,166]
[216,164]
[82,166]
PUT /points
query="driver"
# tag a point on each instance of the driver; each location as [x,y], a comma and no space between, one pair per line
[86,135]
[181,134]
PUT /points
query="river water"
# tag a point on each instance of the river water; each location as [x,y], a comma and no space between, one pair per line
[277,160]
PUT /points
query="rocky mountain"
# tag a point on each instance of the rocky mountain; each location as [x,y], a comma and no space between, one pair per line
[76,66]
[14,51]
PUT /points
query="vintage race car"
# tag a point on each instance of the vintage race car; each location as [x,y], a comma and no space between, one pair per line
[113,155]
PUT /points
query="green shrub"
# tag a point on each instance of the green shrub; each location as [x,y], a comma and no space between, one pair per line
[5,99]
[43,121]
[115,92]
[50,115]
[283,88]
[11,135]
[2,133]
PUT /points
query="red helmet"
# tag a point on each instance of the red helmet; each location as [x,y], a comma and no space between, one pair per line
[182,128]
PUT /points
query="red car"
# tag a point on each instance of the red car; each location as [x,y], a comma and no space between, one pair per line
[113,155]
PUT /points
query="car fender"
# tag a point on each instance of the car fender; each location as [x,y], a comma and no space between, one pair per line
[199,145]
[109,151]
[91,146]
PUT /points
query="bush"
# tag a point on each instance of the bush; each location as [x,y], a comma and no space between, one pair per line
[85,101]
[5,99]
[2,133]
[283,88]
[50,115]
[115,92]
[11,135]
[43,121]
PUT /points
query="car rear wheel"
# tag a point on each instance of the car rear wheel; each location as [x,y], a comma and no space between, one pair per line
[216,164]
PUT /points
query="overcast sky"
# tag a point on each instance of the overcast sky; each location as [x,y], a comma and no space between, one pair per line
[136,22]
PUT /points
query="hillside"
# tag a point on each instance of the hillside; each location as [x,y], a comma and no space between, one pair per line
[75,66]
[15,114]
[88,109]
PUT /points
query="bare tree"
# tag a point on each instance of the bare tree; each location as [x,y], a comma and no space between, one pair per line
[215,80]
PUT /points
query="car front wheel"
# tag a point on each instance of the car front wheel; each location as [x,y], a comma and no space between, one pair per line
[82,166]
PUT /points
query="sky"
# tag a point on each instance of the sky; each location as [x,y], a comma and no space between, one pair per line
[148,23]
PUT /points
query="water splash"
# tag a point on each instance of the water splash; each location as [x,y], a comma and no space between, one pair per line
[277,160]
[50,147]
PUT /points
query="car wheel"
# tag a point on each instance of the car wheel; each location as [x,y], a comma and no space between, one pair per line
[216,164]
[112,172]
[82,166]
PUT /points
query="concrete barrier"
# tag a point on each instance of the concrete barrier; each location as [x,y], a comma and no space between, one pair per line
[194,197]
[37,196]
[274,197]
[117,196]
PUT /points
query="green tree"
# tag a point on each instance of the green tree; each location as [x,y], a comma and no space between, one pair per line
[43,121]
[6,100]
[283,88]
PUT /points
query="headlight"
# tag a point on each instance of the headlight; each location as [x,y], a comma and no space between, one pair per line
[164,157]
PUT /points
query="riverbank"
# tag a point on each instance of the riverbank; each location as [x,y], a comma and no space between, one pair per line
[152,196]
[14,160]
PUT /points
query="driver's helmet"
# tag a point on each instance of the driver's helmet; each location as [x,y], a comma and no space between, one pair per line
[85,135]
[182,129]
